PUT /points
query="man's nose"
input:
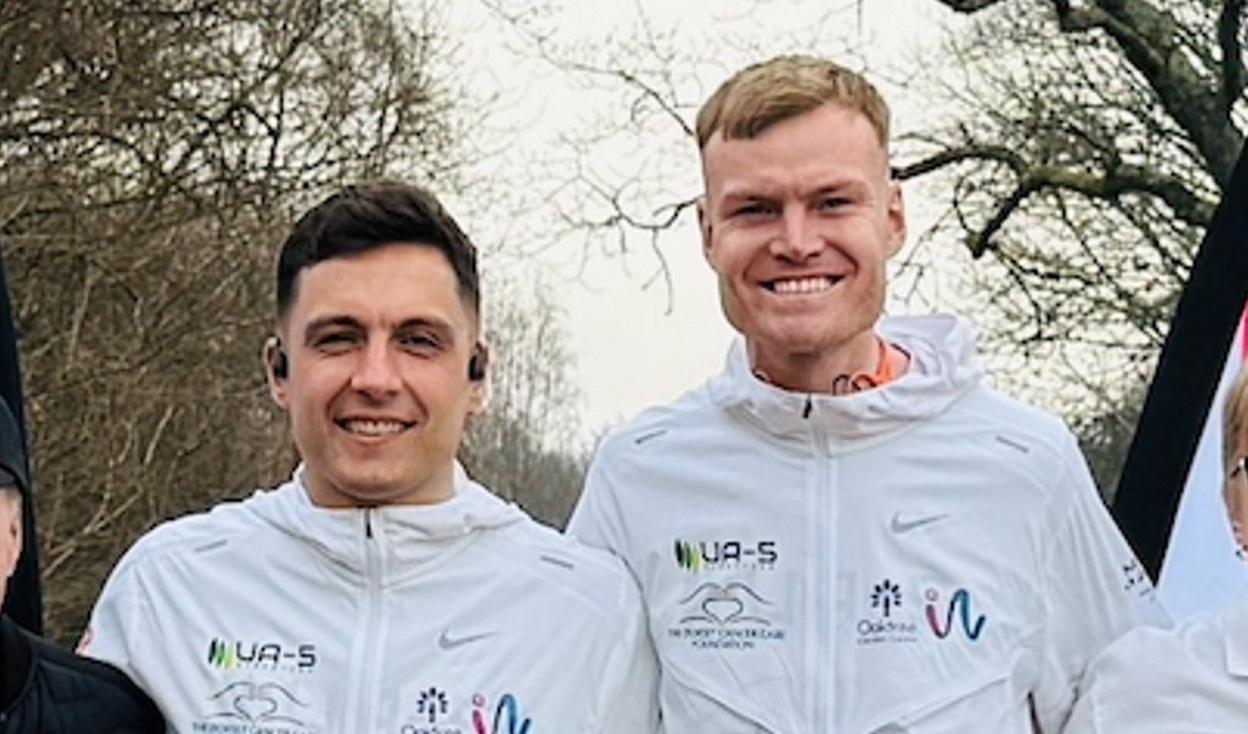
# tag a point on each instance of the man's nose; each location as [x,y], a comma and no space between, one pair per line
[799,238]
[376,373]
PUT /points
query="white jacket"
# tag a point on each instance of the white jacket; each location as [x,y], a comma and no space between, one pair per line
[924,557]
[272,616]
[1190,680]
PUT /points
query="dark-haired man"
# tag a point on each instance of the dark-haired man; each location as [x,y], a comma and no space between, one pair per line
[43,689]
[846,531]
[380,589]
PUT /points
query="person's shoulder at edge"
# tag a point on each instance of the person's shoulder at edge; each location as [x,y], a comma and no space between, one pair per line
[1155,660]
[1156,653]
[69,669]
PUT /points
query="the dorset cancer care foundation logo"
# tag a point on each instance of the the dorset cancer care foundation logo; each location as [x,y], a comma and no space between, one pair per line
[732,616]
[250,707]
[730,555]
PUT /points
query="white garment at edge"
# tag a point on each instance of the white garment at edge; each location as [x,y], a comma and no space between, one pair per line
[272,615]
[925,557]
[1193,680]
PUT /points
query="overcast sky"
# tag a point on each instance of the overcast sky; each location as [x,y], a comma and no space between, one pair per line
[639,346]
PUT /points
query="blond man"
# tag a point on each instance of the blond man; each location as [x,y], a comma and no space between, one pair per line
[846,531]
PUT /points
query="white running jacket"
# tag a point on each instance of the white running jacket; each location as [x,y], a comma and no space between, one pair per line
[272,616]
[927,557]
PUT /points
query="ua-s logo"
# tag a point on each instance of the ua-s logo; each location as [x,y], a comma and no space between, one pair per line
[960,604]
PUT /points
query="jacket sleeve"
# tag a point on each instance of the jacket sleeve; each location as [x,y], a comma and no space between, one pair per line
[628,695]
[1094,587]
[112,634]
[596,519]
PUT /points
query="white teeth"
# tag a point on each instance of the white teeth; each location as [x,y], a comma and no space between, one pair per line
[373,428]
[803,285]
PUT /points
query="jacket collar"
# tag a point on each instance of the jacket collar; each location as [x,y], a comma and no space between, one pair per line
[942,369]
[393,540]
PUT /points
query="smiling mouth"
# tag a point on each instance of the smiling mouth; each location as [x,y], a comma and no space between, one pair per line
[802,286]
[373,428]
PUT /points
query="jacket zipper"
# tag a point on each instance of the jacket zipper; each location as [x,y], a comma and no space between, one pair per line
[364,700]
[825,618]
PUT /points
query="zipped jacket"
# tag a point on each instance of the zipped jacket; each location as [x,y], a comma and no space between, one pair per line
[924,557]
[275,616]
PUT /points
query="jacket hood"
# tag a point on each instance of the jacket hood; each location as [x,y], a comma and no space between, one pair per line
[942,369]
[408,537]
[12,454]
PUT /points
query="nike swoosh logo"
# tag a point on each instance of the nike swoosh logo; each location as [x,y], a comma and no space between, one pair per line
[446,642]
[904,526]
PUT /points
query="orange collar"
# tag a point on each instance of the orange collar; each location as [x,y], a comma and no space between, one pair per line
[891,363]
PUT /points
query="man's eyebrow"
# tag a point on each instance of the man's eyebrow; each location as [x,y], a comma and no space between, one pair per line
[316,326]
[441,326]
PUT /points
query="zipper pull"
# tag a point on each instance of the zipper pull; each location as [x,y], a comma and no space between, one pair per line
[810,405]
[368,523]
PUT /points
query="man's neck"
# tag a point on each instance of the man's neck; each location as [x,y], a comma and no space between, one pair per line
[865,361]
[435,490]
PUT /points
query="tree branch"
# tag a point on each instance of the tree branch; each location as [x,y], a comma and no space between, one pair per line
[1232,76]
[1146,33]
[1122,179]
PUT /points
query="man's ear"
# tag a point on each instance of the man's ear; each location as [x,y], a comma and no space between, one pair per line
[276,370]
[478,378]
[896,218]
[704,227]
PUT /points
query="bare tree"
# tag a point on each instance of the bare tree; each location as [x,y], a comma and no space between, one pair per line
[1089,146]
[526,444]
[150,155]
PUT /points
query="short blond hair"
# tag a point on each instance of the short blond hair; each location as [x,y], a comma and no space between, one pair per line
[1234,417]
[763,94]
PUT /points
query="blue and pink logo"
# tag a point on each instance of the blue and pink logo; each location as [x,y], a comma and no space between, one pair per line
[507,716]
[960,605]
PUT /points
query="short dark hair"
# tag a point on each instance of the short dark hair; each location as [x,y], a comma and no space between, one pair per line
[367,216]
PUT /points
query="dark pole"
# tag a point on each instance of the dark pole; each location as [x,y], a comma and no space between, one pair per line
[23,602]
[1188,371]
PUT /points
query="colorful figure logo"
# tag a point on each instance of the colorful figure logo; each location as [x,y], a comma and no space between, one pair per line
[507,706]
[959,603]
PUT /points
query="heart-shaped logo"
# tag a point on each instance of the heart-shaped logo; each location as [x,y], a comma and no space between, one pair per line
[723,609]
[255,708]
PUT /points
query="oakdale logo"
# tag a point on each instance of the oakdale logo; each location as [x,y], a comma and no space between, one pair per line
[695,556]
[231,655]
[960,605]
